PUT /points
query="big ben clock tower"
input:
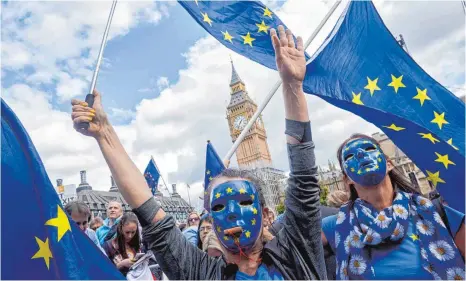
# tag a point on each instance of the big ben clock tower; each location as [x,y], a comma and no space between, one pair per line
[253,152]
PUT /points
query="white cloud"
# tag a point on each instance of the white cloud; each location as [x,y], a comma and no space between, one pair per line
[162,83]
[175,126]
[121,114]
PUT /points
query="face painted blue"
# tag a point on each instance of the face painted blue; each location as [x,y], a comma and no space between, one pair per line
[236,204]
[364,162]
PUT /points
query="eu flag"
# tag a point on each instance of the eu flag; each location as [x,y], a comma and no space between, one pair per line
[361,68]
[213,167]
[39,240]
[152,176]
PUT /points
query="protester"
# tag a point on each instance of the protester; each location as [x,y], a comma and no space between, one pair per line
[81,214]
[387,231]
[108,230]
[337,198]
[122,249]
[205,226]
[234,197]
[192,227]
[96,223]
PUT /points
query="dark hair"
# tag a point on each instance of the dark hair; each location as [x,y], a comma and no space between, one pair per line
[204,218]
[398,179]
[78,207]
[135,242]
[244,174]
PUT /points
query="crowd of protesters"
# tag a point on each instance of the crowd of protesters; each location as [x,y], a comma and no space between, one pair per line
[379,228]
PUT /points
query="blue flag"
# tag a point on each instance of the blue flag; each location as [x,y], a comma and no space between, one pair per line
[361,68]
[152,176]
[213,167]
[39,240]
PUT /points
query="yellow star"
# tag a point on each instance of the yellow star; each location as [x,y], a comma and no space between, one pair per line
[434,178]
[211,178]
[352,169]
[61,222]
[359,172]
[206,18]
[421,96]
[414,237]
[242,191]
[229,190]
[227,36]
[357,98]
[208,172]
[248,234]
[267,12]
[225,238]
[394,128]
[379,159]
[376,166]
[444,160]
[252,197]
[217,195]
[429,136]
[347,148]
[367,169]
[396,83]
[372,85]
[262,27]
[254,211]
[248,39]
[253,221]
[43,252]
[439,119]
[219,229]
[450,142]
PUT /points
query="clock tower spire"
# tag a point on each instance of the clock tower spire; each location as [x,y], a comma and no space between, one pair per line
[253,152]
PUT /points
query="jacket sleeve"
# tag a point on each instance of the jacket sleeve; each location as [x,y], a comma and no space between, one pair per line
[302,222]
[191,235]
[178,258]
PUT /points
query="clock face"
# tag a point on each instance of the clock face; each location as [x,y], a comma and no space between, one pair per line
[240,122]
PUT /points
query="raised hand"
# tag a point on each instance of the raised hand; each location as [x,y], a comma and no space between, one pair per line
[96,116]
[291,62]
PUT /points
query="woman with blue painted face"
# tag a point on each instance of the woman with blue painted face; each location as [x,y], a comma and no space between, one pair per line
[235,197]
[388,230]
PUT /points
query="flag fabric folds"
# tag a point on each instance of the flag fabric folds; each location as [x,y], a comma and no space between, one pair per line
[213,167]
[242,26]
[152,176]
[39,240]
[362,69]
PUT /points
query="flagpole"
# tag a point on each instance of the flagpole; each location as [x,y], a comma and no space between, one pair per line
[158,171]
[189,197]
[275,88]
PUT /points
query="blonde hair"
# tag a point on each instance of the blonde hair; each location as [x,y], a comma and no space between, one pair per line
[337,198]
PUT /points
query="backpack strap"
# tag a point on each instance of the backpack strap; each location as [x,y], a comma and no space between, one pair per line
[441,210]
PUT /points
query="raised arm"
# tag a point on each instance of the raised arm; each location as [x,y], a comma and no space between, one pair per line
[178,258]
[302,223]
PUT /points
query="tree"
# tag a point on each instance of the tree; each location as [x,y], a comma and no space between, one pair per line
[280,208]
[323,194]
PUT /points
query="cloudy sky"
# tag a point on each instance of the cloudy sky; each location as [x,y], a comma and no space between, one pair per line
[164,80]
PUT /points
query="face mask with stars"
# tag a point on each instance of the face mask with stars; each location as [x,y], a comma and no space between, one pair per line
[236,204]
[364,162]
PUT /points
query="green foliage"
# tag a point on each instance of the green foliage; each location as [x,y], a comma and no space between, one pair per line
[280,208]
[323,194]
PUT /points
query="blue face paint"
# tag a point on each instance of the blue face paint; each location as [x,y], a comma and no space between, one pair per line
[236,204]
[364,162]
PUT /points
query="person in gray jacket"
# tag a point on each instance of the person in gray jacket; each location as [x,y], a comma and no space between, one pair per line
[295,253]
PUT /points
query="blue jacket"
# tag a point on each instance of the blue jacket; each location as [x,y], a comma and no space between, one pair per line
[104,229]
[190,234]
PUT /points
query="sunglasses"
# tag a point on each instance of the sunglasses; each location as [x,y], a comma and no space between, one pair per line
[193,219]
[81,223]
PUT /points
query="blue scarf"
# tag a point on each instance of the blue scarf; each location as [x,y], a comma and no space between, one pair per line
[362,226]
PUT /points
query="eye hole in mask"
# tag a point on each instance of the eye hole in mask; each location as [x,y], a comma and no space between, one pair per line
[218,208]
[370,148]
[349,156]
[246,203]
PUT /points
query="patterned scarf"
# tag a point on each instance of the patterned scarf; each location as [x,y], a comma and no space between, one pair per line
[363,226]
